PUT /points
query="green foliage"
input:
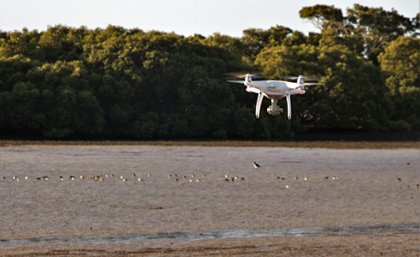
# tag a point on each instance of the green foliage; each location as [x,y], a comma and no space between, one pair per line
[400,63]
[117,83]
[352,90]
[319,14]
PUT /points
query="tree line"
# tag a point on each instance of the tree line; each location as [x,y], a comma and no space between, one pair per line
[129,84]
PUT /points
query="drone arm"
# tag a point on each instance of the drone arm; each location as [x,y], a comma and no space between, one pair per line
[289,107]
[258,105]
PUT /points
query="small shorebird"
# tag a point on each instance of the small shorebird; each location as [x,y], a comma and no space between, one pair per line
[256,165]
[71,177]
[98,178]
[61,178]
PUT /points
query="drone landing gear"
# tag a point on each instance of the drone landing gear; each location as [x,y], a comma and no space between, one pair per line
[274,109]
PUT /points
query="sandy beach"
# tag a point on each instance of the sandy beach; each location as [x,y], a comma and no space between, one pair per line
[208,201]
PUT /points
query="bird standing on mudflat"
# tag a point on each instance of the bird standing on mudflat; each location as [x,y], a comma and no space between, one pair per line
[256,165]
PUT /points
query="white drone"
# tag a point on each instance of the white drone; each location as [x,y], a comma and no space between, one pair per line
[274,90]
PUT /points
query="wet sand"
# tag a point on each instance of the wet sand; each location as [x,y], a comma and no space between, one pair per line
[184,195]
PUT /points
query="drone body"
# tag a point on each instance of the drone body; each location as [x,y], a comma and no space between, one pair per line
[274,90]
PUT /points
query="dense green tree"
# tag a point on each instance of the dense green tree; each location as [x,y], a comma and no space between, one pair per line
[377,28]
[321,15]
[400,63]
[118,83]
[367,30]
[284,60]
[254,40]
[352,95]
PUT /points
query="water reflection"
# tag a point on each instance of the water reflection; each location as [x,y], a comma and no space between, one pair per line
[186,236]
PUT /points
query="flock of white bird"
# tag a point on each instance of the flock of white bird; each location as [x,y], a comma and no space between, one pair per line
[191,178]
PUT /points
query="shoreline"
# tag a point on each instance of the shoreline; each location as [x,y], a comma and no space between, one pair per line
[329,144]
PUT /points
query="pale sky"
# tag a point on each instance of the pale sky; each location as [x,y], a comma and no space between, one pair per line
[185,17]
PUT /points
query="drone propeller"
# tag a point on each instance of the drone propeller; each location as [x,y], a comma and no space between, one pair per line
[241,75]
[311,84]
[236,81]
[307,78]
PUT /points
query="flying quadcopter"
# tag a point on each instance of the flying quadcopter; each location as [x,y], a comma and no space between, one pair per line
[274,90]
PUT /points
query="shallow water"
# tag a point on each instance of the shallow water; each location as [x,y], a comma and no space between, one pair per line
[189,236]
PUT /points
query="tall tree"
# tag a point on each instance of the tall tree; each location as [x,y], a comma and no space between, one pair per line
[400,63]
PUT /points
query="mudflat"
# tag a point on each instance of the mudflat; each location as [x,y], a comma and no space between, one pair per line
[191,200]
